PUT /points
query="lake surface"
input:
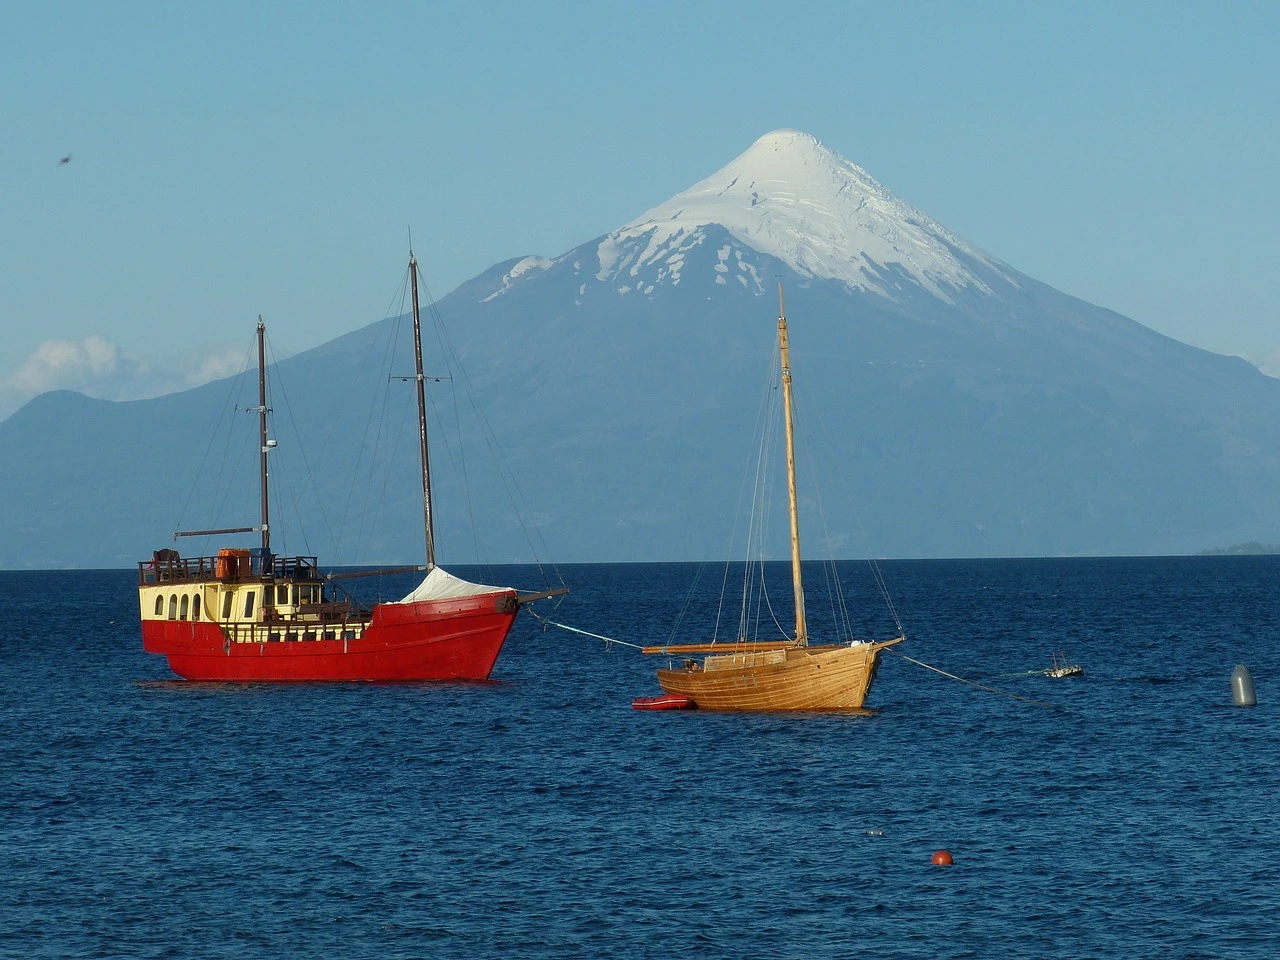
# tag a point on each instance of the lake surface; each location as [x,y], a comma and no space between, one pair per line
[538,815]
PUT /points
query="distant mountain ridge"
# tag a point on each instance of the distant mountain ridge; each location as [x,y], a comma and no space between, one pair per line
[972,411]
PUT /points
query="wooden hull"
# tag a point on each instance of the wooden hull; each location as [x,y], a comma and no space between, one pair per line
[798,678]
[454,639]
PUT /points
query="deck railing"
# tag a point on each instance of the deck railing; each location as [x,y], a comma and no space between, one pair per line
[166,566]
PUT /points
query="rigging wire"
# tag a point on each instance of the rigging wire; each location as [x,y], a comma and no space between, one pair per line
[375,419]
[836,598]
[755,597]
[278,478]
[514,493]
[877,574]
[246,449]
[749,469]
[234,384]
[774,426]
[457,457]
[408,405]
[688,601]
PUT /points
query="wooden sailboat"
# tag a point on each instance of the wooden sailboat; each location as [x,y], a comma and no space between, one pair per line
[249,615]
[780,675]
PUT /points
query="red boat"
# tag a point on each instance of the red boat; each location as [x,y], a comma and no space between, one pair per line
[248,615]
[668,701]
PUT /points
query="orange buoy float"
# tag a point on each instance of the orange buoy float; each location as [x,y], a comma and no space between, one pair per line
[942,859]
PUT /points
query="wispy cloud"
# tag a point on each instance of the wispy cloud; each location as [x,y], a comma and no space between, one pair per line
[96,366]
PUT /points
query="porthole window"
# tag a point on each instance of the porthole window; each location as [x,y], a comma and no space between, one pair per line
[195,607]
[186,607]
[173,607]
[159,605]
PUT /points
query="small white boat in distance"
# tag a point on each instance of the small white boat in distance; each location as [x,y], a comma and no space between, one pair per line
[1062,667]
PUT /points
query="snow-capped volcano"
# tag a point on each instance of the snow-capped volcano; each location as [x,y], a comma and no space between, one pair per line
[973,410]
[793,198]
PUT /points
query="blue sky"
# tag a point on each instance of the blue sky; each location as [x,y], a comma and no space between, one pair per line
[233,159]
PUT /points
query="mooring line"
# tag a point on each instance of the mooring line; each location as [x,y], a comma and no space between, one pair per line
[585,633]
[919,663]
[952,676]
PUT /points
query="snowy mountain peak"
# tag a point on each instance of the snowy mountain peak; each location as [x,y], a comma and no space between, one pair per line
[796,199]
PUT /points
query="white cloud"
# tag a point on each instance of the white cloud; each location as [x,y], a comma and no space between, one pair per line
[96,366]
[56,363]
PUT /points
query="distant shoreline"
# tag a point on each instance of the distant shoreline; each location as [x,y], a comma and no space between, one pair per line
[1252,548]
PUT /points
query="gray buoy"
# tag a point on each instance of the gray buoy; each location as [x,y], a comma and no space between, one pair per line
[1242,694]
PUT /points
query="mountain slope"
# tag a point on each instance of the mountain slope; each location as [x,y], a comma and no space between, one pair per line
[954,406]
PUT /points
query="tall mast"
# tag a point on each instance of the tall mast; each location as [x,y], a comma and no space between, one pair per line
[802,632]
[422,416]
[262,434]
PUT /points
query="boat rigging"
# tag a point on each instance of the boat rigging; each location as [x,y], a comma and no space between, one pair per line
[249,615]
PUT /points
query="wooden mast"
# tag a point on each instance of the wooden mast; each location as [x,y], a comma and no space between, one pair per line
[422,416]
[802,631]
[262,437]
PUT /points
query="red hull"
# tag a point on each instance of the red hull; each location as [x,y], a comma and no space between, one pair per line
[668,701]
[454,639]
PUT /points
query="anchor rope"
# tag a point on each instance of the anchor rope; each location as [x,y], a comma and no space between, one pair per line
[972,683]
[585,633]
[919,663]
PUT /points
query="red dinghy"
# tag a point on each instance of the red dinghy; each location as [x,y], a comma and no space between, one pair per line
[669,701]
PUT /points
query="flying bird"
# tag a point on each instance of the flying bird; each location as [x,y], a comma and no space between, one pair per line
[65,160]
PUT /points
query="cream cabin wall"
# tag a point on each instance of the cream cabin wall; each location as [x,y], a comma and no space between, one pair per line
[286,624]
[212,597]
[224,604]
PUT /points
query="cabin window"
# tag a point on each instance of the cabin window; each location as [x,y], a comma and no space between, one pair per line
[159,605]
[173,607]
[282,595]
[195,607]
[226,605]
[186,607]
[248,603]
[295,594]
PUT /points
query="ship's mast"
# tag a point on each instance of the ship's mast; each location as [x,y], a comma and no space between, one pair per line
[262,434]
[802,632]
[422,416]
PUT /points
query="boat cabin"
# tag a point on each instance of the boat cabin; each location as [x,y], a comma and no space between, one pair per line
[254,596]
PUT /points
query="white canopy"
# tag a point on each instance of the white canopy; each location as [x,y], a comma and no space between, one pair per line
[441,585]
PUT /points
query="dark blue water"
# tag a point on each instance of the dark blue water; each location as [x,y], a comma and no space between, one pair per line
[539,816]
